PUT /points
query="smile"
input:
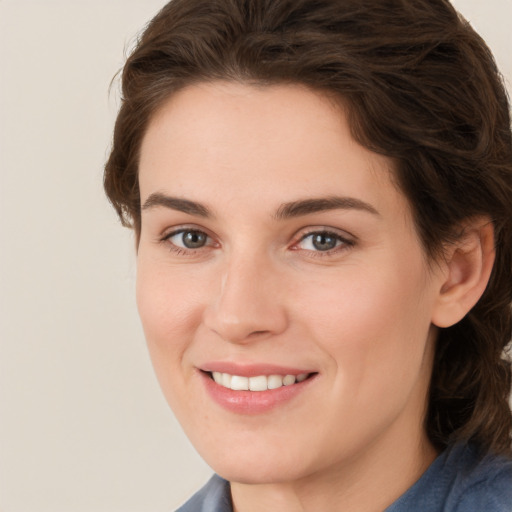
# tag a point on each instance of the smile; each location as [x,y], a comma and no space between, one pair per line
[258,382]
[259,389]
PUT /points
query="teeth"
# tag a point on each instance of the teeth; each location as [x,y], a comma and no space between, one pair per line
[226,380]
[289,380]
[239,383]
[274,381]
[258,383]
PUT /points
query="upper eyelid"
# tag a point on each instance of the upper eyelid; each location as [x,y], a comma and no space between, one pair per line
[343,234]
[328,231]
[174,230]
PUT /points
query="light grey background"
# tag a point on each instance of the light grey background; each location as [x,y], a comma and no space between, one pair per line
[83,425]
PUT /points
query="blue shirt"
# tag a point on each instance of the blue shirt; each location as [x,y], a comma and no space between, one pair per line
[457,481]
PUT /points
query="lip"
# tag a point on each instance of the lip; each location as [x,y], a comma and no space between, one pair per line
[252,402]
[251,369]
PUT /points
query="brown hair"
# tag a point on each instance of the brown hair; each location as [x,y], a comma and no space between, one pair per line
[421,87]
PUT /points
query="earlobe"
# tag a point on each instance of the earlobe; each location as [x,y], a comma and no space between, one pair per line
[467,269]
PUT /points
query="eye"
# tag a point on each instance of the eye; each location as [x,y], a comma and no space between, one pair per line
[323,241]
[188,239]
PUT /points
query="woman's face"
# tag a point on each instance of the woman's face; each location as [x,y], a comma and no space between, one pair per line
[275,249]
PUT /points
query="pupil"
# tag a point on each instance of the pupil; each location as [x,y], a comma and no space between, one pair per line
[193,239]
[324,242]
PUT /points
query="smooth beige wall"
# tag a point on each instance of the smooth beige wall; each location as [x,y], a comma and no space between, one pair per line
[83,425]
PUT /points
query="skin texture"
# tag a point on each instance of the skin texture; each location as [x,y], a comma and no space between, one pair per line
[361,315]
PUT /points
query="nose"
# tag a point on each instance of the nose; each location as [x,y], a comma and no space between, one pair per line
[248,304]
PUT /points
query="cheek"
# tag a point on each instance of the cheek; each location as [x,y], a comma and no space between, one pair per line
[169,309]
[168,301]
[374,330]
[373,324]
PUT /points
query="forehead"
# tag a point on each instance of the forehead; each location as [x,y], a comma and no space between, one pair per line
[253,145]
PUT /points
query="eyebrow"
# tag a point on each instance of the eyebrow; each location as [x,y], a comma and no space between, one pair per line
[315,205]
[176,203]
[285,211]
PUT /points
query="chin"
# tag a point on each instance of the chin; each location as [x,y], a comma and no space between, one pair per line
[256,462]
[257,474]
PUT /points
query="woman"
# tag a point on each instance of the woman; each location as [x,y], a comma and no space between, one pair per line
[321,193]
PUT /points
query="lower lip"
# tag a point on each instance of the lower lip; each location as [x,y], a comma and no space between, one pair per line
[253,402]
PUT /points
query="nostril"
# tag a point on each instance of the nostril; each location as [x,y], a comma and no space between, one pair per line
[257,333]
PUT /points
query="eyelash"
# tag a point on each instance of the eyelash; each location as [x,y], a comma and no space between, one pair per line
[342,243]
[185,251]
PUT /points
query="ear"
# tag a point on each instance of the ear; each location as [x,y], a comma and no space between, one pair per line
[466,270]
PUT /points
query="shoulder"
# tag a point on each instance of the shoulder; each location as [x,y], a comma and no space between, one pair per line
[215,496]
[461,480]
[484,483]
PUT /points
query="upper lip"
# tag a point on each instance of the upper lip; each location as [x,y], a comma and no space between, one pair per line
[251,369]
